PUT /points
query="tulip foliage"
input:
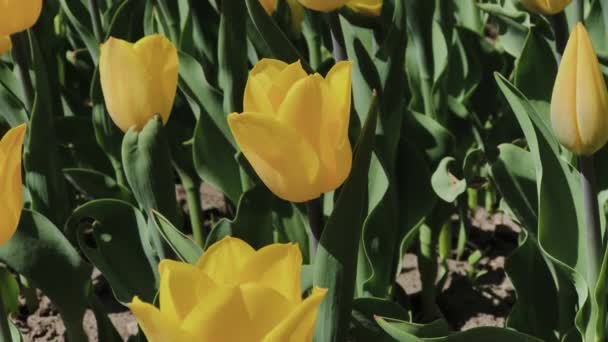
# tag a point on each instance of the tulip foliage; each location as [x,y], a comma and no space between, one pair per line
[340,134]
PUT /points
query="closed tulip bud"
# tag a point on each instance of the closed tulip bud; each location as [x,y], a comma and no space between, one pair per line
[235,293]
[579,105]
[547,7]
[370,8]
[138,80]
[11,193]
[18,15]
[5,44]
[294,128]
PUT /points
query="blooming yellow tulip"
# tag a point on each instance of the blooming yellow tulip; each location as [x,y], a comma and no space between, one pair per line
[579,105]
[297,11]
[138,80]
[364,7]
[294,129]
[233,294]
[5,44]
[18,15]
[547,7]
[11,193]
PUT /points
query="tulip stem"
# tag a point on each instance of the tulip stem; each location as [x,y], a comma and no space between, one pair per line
[315,219]
[592,219]
[5,331]
[337,37]
[21,49]
[192,188]
[580,11]
[96,20]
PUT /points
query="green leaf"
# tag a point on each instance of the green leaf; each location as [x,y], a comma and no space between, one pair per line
[78,16]
[445,184]
[365,327]
[185,248]
[336,259]
[10,291]
[96,185]
[114,237]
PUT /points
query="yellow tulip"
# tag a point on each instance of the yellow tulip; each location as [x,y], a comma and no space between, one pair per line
[139,81]
[232,294]
[11,195]
[547,7]
[294,129]
[297,12]
[5,44]
[18,15]
[579,105]
[365,7]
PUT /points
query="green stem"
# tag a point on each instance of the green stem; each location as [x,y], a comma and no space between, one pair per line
[313,39]
[314,209]
[21,48]
[337,37]
[5,331]
[580,11]
[192,187]
[427,263]
[96,20]
[119,173]
[592,219]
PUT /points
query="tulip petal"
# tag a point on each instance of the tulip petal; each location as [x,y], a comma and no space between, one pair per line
[269,6]
[160,62]
[5,44]
[336,150]
[221,315]
[18,15]
[276,266]
[268,84]
[563,99]
[371,8]
[223,260]
[180,285]
[299,325]
[591,96]
[323,5]
[266,307]
[11,195]
[124,85]
[302,109]
[286,162]
[156,326]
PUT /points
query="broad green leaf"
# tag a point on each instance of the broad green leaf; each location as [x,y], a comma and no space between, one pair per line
[445,184]
[10,291]
[96,185]
[185,248]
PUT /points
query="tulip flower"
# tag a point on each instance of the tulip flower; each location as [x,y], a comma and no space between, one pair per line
[547,7]
[294,128]
[232,294]
[5,44]
[11,195]
[18,15]
[139,81]
[297,11]
[579,105]
[370,8]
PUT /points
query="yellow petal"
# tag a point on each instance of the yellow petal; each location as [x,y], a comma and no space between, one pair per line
[223,260]
[18,15]
[286,162]
[547,7]
[276,266]
[371,8]
[591,97]
[299,325]
[180,286]
[5,44]
[221,315]
[138,80]
[336,151]
[269,6]
[156,326]
[563,99]
[11,195]
[323,5]
[266,307]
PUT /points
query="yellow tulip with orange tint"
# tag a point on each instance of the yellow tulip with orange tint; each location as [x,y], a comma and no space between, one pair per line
[139,81]
[371,8]
[233,294]
[11,193]
[294,128]
[547,7]
[18,15]
[579,104]
[5,44]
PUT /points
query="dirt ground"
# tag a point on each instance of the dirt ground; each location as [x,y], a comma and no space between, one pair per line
[464,303]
